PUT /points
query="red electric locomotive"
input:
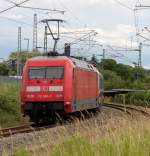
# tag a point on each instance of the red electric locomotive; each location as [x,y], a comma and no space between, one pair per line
[59,84]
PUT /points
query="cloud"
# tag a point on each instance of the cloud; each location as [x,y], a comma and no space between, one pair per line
[97,2]
[146,67]
[14,16]
[118,35]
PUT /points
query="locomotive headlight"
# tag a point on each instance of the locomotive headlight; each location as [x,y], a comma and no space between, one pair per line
[67,103]
[33,89]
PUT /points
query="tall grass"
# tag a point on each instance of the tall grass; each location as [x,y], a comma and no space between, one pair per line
[9,104]
[124,141]
[115,138]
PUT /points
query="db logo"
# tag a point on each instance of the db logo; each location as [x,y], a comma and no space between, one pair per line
[44,88]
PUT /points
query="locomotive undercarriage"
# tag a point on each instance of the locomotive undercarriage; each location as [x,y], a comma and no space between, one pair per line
[49,112]
[43,112]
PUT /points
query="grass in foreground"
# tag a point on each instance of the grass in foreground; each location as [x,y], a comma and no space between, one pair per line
[123,138]
[9,104]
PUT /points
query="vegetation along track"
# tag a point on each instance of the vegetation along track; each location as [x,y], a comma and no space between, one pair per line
[129,109]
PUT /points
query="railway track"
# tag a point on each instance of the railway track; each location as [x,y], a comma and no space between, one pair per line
[6,132]
[14,130]
[129,109]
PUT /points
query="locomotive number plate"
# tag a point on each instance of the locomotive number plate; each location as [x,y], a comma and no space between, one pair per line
[44,88]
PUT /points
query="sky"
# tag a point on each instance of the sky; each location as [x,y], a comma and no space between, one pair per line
[115,22]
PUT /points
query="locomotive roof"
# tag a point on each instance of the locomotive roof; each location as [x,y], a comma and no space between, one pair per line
[82,64]
[78,63]
[40,58]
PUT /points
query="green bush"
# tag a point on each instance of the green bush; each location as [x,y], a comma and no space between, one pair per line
[136,98]
[139,98]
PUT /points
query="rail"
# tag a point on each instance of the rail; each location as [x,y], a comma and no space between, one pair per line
[6,132]
[127,108]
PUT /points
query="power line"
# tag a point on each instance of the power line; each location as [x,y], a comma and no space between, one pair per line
[36,8]
[140,7]
[15,5]
[123,57]
[40,12]
[123,5]
[144,37]
[42,9]
[75,17]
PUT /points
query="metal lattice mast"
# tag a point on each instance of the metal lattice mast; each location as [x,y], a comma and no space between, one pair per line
[35,33]
[45,40]
[19,51]
[140,56]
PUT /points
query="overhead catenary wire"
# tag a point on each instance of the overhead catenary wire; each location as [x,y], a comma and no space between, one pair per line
[139,6]
[14,6]
[124,5]
[40,12]
[75,17]
[123,57]
[147,39]
[19,5]
[136,17]
[36,8]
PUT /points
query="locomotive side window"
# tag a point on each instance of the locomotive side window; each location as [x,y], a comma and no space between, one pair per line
[46,72]
[55,72]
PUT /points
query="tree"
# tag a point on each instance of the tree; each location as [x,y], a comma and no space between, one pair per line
[23,56]
[124,71]
[4,69]
[108,64]
[139,73]
[112,80]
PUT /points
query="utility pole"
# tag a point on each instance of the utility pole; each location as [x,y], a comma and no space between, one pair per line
[35,33]
[45,40]
[104,50]
[103,56]
[28,40]
[19,51]
[140,55]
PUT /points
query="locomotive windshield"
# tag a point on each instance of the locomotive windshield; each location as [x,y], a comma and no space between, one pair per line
[46,72]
